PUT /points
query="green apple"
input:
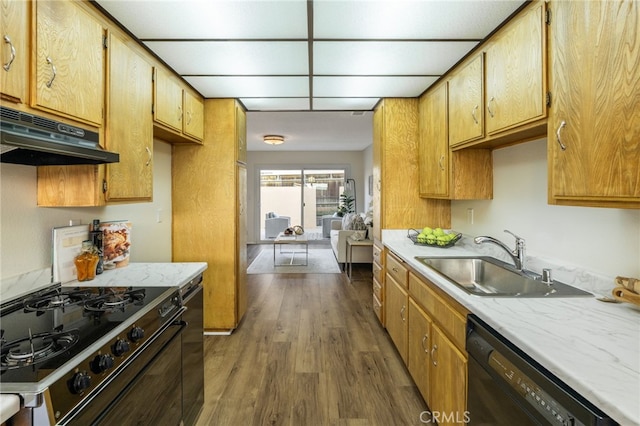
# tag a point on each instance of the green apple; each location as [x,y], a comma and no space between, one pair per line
[426,230]
[438,232]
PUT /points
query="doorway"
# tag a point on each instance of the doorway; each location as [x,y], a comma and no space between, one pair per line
[301,195]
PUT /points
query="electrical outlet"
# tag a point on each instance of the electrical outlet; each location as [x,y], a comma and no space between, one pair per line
[470,216]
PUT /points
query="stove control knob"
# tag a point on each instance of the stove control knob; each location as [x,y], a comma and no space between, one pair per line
[136,334]
[79,382]
[120,347]
[101,363]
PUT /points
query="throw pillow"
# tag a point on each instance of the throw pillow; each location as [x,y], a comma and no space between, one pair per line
[347,221]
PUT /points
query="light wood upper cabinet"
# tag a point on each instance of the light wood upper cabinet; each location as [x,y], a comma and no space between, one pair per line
[129,95]
[167,108]
[178,112]
[14,52]
[193,115]
[594,126]
[453,175]
[396,200]
[433,149]
[69,61]
[515,72]
[466,102]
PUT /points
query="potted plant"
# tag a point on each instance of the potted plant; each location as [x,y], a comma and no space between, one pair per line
[346,204]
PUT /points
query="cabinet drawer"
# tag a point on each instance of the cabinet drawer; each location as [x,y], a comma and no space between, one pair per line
[377,308]
[377,289]
[377,255]
[396,268]
[452,322]
[377,272]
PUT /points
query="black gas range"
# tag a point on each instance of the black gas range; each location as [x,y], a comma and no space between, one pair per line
[69,352]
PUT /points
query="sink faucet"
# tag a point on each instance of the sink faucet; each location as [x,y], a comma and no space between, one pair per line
[517,255]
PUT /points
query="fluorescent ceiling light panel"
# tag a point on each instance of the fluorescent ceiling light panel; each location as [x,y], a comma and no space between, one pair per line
[234,58]
[344,104]
[220,19]
[240,87]
[410,19]
[275,104]
[387,58]
[403,87]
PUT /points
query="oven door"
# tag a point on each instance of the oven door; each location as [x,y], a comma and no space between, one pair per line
[147,391]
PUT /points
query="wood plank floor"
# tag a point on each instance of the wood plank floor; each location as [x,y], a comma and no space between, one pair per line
[309,351]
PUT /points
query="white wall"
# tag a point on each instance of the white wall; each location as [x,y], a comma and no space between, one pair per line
[352,161]
[368,171]
[25,240]
[598,239]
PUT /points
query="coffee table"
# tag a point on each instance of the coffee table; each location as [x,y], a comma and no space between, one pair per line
[283,239]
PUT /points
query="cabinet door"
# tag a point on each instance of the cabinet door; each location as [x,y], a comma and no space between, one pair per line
[241,235]
[595,113]
[466,103]
[396,305]
[419,347]
[69,61]
[167,107]
[193,115]
[433,149]
[130,96]
[241,134]
[448,390]
[515,74]
[14,53]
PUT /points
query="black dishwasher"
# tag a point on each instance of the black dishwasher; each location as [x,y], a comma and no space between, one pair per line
[192,352]
[507,387]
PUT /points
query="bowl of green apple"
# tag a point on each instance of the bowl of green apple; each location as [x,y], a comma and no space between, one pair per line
[434,237]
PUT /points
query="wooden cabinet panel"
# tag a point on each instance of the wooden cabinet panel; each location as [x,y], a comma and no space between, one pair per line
[595,113]
[167,106]
[193,115]
[396,314]
[14,51]
[129,95]
[397,269]
[466,102]
[396,200]
[515,72]
[419,347]
[433,150]
[241,136]
[69,61]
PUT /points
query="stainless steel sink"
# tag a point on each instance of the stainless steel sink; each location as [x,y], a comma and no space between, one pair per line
[486,276]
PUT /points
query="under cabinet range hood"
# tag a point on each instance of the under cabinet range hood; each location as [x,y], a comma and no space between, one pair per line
[38,141]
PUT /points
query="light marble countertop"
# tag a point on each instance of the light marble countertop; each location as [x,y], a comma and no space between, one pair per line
[594,347]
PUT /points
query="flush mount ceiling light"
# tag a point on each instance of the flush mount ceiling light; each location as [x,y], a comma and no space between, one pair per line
[273,139]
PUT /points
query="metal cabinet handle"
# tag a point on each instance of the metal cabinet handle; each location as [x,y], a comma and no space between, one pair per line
[394,270]
[441,162]
[473,114]
[7,66]
[489,106]
[378,186]
[179,112]
[404,308]
[558,137]
[149,158]
[434,361]
[188,117]
[425,338]
[53,70]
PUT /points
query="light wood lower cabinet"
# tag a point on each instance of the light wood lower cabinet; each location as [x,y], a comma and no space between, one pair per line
[396,308]
[420,344]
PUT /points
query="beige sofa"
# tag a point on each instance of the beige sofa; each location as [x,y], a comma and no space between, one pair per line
[362,254]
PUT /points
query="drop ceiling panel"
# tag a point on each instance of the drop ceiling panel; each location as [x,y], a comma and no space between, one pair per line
[409,19]
[344,104]
[371,86]
[387,58]
[206,19]
[234,58]
[275,104]
[254,86]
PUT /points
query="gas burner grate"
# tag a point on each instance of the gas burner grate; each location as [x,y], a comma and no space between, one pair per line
[115,299]
[36,348]
[56,298]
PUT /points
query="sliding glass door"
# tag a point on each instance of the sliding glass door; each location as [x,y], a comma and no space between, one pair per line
[298,197]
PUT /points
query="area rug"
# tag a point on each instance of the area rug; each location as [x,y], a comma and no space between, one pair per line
[321,261]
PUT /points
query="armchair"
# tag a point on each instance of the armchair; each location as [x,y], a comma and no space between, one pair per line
[274,224]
